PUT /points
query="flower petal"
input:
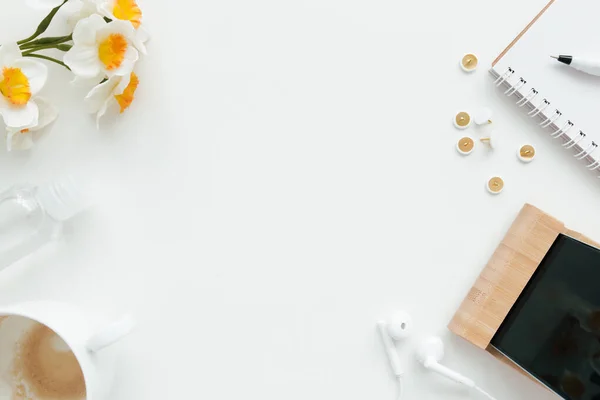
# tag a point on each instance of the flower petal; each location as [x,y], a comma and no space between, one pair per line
[87,82]
[78,10]
[122,85]
[47,113]
[35,71]
[43,4]
[143,35]
[83,61]
[105,8]
[126,67]
[117,26]
[139,43]
[19,117]
[9,138]
[98,95]
[18,140]
[103,109]
[127,95]
[9,53]
[86,29]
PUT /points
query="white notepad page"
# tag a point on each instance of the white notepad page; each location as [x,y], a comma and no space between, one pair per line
[569,27]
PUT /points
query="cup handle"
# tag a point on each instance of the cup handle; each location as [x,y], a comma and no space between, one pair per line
[111,333]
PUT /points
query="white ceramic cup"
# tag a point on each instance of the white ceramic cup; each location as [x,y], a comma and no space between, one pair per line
[84,334]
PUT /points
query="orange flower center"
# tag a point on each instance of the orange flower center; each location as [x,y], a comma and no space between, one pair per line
[15,86]
[128,10]
[112,51]
[126,98]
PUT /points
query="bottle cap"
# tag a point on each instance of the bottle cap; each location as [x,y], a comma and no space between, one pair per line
[64,198]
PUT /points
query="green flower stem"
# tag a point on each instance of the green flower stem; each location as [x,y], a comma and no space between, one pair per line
[46,41]
[50,46]
[43,25]
[43,57]
[64,46]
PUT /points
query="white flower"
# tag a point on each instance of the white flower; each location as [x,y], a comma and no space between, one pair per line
[103,49]
[22,139]
[43,4]
[117,90]
[124,10]
[20,80]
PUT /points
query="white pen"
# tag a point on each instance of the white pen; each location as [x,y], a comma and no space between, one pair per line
[591,67]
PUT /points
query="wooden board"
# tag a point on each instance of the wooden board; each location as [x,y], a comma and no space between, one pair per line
[504,277]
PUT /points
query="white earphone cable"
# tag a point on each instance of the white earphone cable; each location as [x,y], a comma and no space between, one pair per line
[400,388]
[483,392]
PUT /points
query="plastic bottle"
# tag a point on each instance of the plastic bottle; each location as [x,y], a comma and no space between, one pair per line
[32,216]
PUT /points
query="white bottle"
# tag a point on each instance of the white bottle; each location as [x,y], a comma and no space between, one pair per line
[33,216]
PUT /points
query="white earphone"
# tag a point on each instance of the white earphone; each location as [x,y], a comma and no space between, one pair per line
[398,327]
[430,351]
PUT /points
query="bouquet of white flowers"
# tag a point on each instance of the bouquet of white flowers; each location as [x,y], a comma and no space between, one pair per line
[102,50]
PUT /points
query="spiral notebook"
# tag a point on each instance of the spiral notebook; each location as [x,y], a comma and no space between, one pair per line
[562,100]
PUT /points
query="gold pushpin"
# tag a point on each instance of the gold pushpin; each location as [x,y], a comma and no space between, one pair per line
[465,145]
[526,153]
[489,140]
[495,185]
[469,62]
[462,120]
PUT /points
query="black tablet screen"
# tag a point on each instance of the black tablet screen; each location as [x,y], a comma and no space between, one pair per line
[553,330]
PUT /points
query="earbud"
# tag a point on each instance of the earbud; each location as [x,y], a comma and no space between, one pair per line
[398,327]
[430,352]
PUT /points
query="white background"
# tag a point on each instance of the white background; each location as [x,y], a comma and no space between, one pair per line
[286,177]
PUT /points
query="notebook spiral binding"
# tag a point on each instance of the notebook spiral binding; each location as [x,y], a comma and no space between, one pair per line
[549,118]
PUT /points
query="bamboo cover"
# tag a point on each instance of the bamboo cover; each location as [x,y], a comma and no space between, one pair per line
[504,277]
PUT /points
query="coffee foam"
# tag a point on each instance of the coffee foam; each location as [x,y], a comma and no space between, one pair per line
[36,364]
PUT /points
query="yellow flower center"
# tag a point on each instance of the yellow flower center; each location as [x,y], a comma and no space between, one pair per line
[128,10]
[126,98]
[25,130]
[15,86]
[112,51]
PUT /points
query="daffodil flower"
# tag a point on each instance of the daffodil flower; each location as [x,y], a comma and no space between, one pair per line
[20,80]
[124,10]
[103,49]
[23,138]
[117,90]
